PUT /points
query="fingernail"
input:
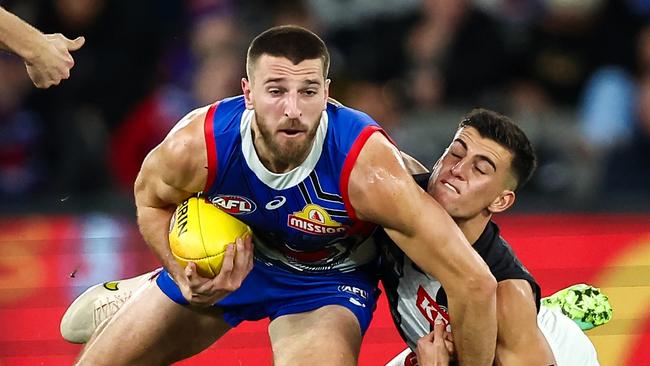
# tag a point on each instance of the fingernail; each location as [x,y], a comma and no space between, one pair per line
[438,321]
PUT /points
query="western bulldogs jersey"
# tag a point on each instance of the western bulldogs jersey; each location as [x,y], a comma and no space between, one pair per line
[301,219]
[417,299]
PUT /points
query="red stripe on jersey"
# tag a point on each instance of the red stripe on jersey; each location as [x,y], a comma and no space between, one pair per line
[350,160]
[210,146]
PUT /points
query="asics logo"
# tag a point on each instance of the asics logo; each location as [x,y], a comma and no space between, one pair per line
[277,202]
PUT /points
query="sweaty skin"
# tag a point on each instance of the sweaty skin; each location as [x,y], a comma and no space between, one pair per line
[382,191]
[485,190]
[288,100]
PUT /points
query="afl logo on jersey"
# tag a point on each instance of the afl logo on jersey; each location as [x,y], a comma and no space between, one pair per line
[314,219]
[234,205]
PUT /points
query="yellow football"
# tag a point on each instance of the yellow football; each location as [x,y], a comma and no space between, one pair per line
[199,232]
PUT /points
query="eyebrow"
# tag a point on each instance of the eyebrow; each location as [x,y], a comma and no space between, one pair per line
[482,157]
[277,80]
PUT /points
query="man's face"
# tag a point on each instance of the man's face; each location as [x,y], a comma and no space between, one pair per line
[288,100]
[472,173]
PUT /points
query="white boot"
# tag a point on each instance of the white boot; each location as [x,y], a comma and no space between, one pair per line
[98,304]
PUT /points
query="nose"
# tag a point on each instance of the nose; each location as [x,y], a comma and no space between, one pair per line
[291,107]
[459,168]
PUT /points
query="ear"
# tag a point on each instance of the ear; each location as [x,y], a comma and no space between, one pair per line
[502,202]
[248,93]
[326,90]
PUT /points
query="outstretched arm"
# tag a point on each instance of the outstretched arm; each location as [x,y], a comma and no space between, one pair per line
[47,57]
[381,191]
[519,340]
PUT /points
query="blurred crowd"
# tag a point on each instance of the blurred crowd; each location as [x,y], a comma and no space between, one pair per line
[574,73]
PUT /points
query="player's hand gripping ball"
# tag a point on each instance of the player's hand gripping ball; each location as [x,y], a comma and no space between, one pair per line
[199,232]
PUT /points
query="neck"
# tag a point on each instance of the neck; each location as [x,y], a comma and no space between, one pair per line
[473,227]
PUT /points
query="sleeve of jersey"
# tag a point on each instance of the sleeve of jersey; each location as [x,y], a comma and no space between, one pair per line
[221,130]
[357,132]
[505,265]
[210,147]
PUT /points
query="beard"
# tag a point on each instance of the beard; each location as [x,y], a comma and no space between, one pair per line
[291,152]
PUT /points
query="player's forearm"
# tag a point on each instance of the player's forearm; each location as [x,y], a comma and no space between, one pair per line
[19,37]
[474,328]
[154,227]
[442,251]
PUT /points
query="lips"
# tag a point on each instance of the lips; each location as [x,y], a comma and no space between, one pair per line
[291,132]
[450,186]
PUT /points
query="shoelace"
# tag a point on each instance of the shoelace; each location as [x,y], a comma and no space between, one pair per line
[107,307]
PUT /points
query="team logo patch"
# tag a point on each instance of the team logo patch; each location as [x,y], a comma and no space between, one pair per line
[234,205]
[111,286]
[430,308]
[314,219]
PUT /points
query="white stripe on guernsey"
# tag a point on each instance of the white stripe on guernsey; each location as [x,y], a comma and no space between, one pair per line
[280,180]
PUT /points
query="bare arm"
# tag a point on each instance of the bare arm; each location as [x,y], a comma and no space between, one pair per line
[173,171]
[519,340]
[170,173]
[412,165]
[381,191]
[47,57]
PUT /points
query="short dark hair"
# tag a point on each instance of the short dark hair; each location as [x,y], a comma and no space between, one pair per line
[289,41]
[506,133]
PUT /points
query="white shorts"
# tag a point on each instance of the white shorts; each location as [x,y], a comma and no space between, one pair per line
[570,345]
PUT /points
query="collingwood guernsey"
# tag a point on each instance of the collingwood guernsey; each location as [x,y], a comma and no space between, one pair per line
[417,299]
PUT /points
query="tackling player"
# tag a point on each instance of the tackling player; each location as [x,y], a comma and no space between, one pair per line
[477,176]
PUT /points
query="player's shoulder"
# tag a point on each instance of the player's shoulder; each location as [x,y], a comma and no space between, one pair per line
[235,103]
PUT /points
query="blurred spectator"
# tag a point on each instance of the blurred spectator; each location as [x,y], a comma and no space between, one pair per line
[215,71]
[607,111]
[21,159]
[114,70]
[459,51]
[569,42]
[628,166]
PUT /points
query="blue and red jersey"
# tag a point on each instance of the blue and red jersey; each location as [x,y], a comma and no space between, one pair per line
[303,218]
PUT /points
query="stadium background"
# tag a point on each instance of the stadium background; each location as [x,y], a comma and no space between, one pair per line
[573,73]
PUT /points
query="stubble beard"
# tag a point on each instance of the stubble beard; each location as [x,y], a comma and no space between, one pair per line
[291,153]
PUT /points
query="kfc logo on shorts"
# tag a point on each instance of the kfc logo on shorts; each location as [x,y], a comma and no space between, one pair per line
[234,205]
[430,308]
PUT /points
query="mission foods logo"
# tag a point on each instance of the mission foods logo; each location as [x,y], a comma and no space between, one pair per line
[234,205]
[314,219]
